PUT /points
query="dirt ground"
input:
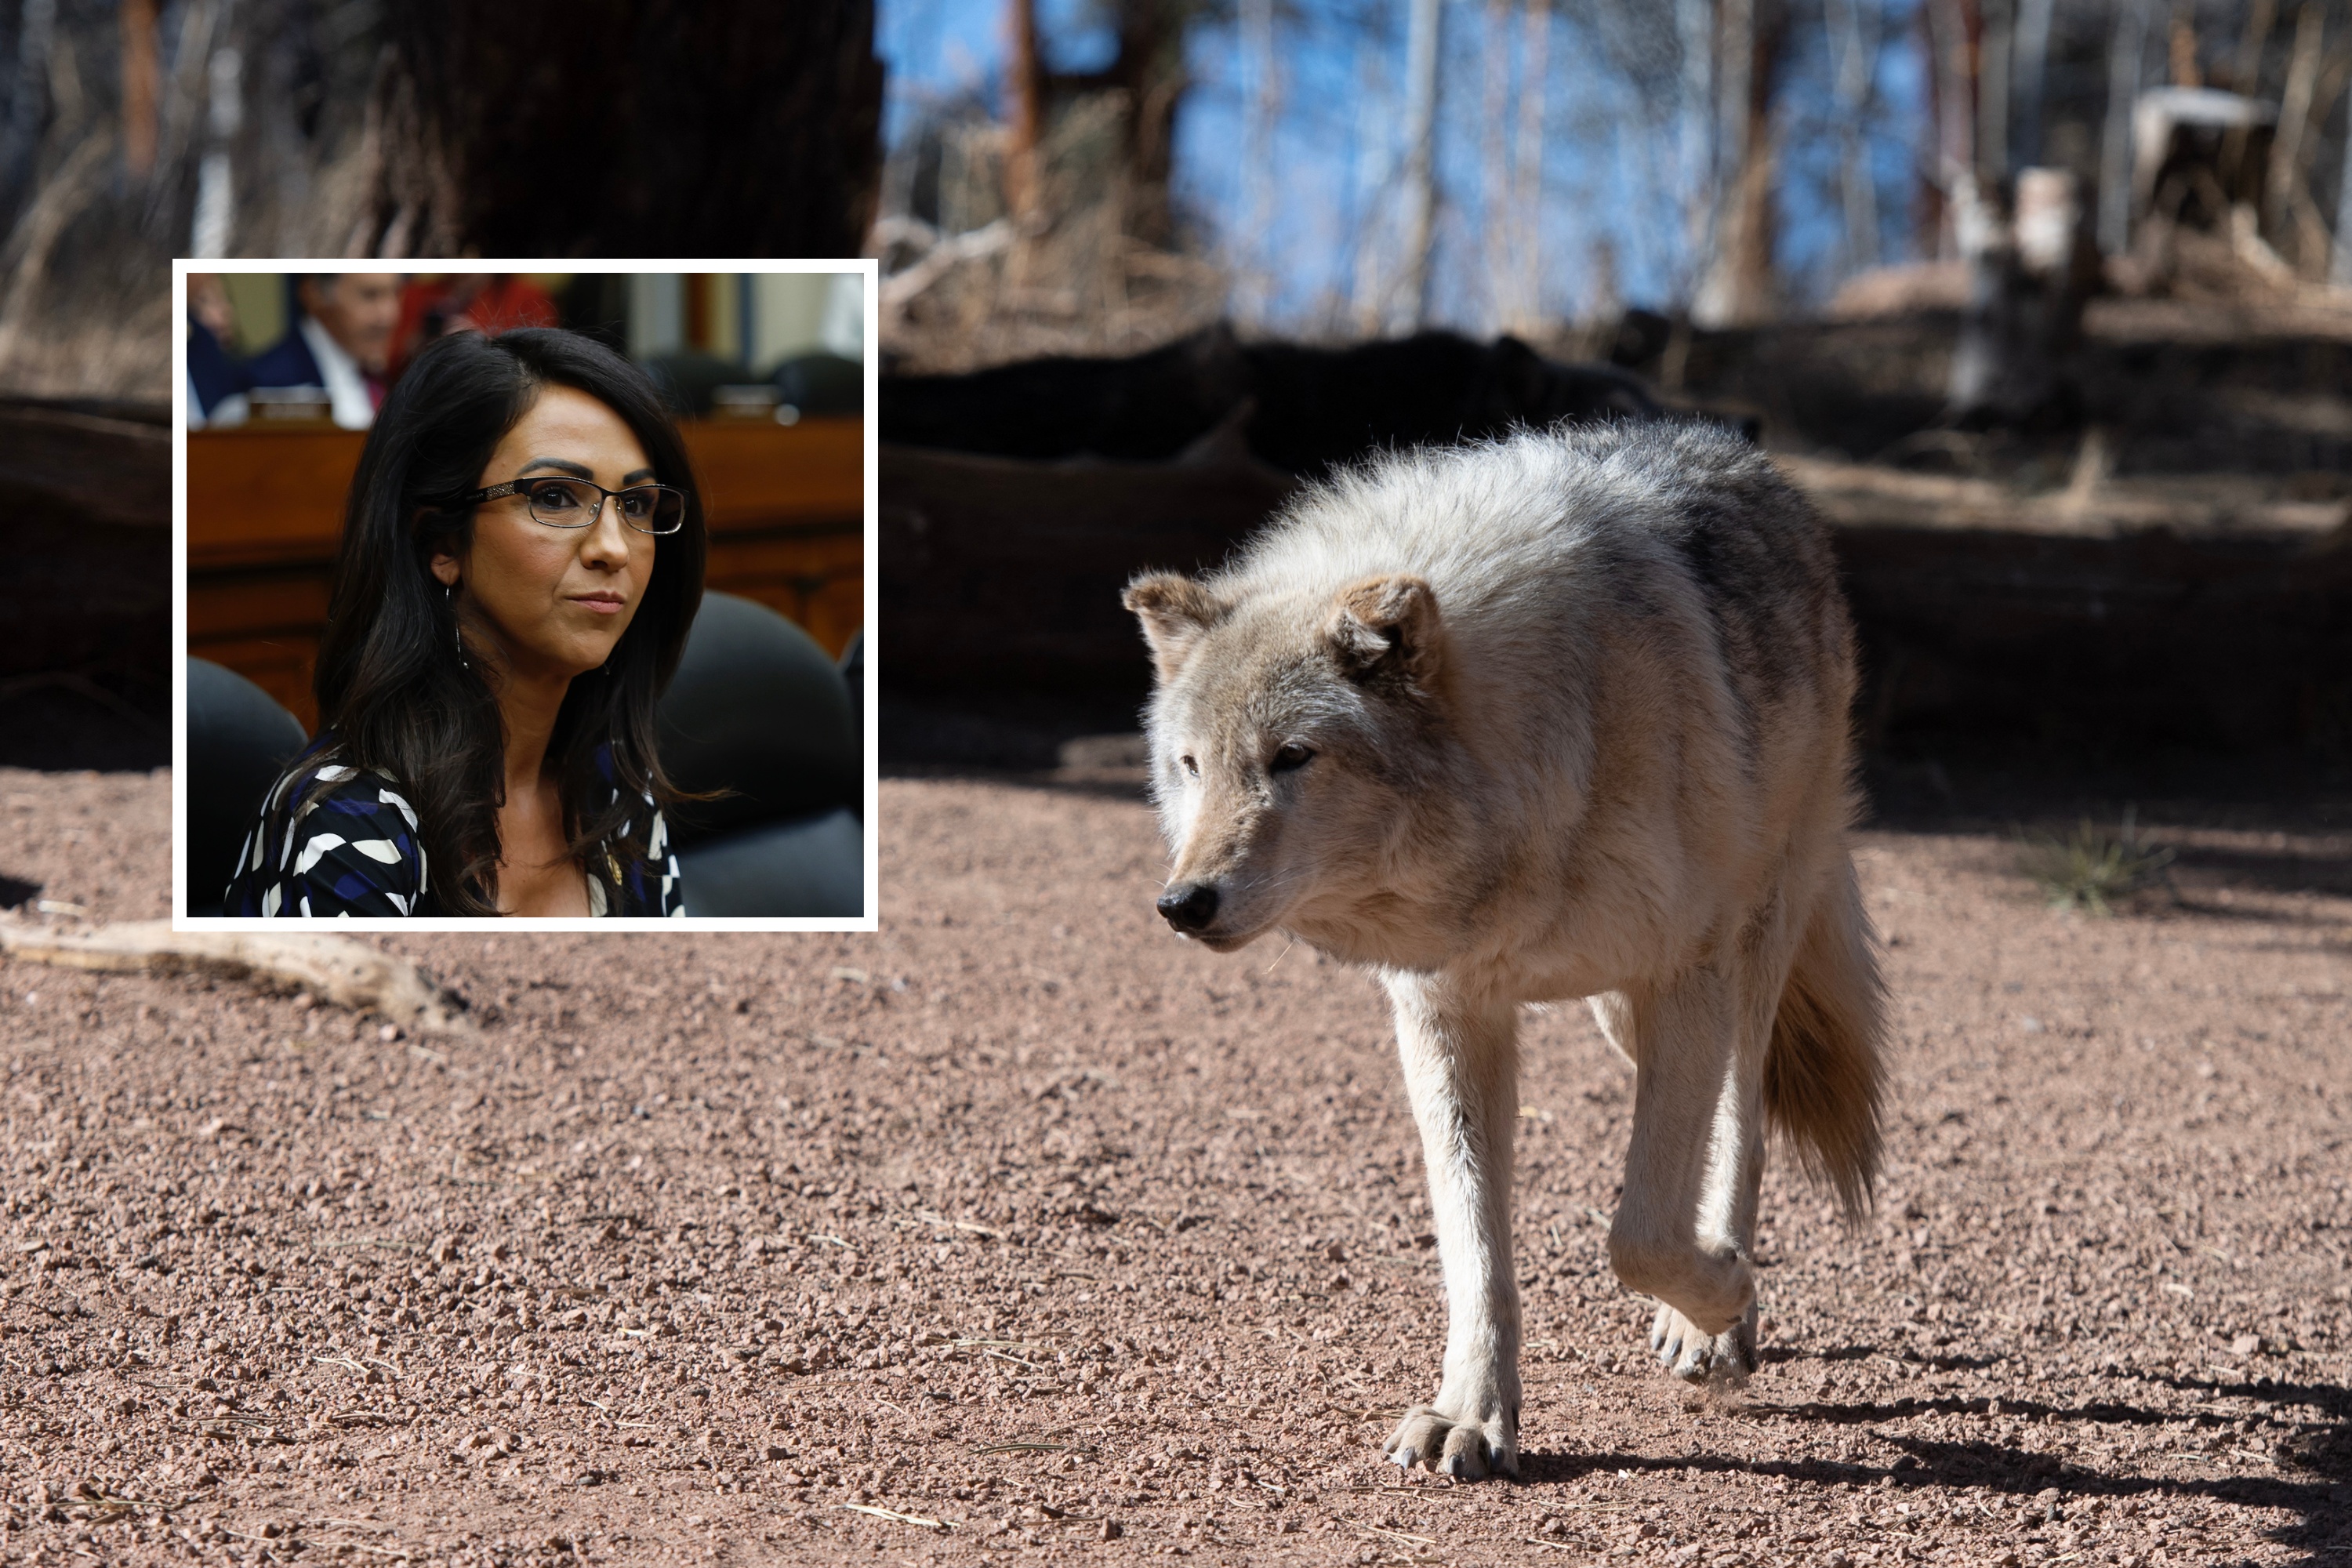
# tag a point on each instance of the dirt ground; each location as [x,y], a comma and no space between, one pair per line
[1022,1231]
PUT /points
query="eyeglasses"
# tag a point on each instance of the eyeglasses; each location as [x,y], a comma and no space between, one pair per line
[576,503]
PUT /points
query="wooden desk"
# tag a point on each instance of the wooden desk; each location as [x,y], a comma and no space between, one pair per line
[786,506]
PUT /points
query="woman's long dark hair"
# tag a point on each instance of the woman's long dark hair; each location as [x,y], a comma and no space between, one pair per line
[390,683]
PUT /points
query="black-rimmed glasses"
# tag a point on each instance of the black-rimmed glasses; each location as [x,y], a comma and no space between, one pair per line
[578,503]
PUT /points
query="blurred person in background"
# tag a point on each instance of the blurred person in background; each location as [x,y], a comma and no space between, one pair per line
[342,341]
[217,383]
[484,302]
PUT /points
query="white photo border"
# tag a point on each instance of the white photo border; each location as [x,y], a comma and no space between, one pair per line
[867,268]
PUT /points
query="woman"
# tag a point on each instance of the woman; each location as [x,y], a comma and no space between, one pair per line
[522,553]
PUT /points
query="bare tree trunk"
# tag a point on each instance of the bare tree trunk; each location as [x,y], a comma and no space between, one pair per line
[2247,75]
[624,127]
[2126,69]
[2339,269]
[1495,154]
[1149,68]
[141,72]
[1535,70]
[1025,77]
[1716,305]
[1257,159]
[2032,66]
[2261,16]
[2285,167]
[1695,29]
[212,224]
[1741,288]
[28,101]
[1952,36]
[1148,72]
[1420,170]
[2186,71]
[1853,68]
[1993,89]
[1367,302]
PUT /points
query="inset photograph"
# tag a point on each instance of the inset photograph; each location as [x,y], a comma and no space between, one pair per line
[525,594]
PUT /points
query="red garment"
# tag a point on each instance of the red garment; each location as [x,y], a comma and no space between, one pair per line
[510,301]
[487,302]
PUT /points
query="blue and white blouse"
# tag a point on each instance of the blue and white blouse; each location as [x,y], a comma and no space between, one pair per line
[354,851]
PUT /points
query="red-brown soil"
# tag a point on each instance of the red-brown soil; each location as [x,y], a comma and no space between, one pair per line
[1025,1218]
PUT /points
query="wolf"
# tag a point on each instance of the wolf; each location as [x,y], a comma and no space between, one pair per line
[1564,715]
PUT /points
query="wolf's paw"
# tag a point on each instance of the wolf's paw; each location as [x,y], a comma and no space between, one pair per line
[1468,1450]
[1719,1360]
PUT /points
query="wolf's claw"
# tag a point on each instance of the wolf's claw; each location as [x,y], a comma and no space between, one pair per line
[1466,1450]
[1724,1360]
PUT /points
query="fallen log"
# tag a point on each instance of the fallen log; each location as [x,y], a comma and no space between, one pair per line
[331,968]
[2207,612]
[998,574]
[89,498]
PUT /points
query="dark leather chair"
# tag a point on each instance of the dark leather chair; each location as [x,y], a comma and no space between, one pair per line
[757,711]
[239,740]
[820,383]
[690,378]
[853,673]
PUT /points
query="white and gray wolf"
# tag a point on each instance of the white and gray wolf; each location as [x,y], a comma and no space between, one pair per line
[1564,715]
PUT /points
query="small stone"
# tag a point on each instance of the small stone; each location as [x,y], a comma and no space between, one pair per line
[2246,1344]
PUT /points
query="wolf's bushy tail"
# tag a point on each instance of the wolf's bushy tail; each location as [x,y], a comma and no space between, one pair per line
[1822,1078]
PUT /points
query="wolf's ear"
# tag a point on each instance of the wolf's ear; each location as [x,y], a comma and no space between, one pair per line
[1386,627]
[1174,611]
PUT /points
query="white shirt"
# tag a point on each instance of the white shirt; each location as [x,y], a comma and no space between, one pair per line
[346,385]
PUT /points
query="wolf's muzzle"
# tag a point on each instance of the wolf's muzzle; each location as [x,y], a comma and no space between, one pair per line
[1190,908]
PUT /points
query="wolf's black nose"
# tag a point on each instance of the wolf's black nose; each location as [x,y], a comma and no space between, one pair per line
[1190,908]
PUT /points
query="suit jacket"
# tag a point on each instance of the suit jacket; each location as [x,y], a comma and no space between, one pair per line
[289,362]
[212,375]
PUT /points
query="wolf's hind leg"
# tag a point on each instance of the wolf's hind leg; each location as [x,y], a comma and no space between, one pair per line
[1725,1360]
[1460,1067]
[1695,1357]
[1683,1229]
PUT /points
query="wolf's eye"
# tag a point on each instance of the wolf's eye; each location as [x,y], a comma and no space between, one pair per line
[1191,766]
[1291,756]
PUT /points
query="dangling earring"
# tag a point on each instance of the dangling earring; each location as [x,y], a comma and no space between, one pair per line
[457,633]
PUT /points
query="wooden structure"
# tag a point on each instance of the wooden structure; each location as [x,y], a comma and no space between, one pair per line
[786,506]
[2135,612]
[87,493]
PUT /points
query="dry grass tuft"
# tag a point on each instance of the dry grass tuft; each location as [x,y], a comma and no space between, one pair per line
[2091,872]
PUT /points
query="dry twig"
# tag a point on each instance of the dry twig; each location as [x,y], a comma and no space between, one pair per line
[333,968]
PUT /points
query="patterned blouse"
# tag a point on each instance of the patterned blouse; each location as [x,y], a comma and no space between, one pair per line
[354,851]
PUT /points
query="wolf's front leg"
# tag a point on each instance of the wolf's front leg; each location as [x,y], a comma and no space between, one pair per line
[1461,1069]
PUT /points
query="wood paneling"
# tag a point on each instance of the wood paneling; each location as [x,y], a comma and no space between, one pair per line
[266,498]
[786,506]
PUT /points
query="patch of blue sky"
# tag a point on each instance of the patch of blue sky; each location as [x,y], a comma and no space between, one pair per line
[1326,218]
